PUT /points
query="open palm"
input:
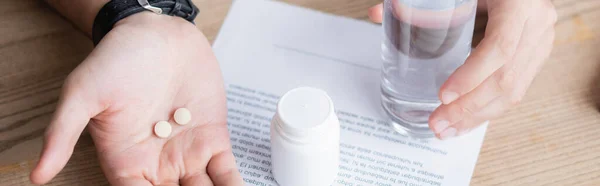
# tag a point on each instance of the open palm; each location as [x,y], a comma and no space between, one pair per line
[142,71]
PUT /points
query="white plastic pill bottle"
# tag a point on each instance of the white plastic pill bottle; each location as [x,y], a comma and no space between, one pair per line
[305,138]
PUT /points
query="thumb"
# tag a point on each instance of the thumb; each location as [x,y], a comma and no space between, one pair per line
[222,169]
[69,120]
[376,13]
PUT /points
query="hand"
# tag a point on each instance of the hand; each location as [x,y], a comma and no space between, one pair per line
[143,70]
[518,39]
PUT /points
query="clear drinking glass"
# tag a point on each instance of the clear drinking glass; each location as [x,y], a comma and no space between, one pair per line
[425,41]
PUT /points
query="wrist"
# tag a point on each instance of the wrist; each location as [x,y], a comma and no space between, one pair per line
[152,22]
[156,28]
[115,11]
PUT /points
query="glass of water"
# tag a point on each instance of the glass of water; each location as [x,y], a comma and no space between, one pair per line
[424,42]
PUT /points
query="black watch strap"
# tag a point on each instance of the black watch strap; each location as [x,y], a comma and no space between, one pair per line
[115,10]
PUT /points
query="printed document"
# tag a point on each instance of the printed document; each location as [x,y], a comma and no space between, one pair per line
[266,48]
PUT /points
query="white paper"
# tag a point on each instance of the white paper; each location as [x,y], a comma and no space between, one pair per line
[267,48]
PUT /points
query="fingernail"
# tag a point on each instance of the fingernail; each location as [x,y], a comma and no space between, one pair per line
[450,132]
[440,126]
[449,97]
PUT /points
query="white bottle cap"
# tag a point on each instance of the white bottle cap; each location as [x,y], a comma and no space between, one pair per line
[305,138]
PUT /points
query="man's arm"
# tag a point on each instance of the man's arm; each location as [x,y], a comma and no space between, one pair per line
[81,13]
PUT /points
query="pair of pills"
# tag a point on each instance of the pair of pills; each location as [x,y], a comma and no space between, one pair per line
[163,129]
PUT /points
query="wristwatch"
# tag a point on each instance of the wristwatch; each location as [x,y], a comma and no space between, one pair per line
[115,10]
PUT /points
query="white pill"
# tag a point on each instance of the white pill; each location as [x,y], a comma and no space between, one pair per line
[162,129]
[182,116]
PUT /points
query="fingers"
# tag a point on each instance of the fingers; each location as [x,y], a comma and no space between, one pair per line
[536,61]
[61,136]
[511,32]
[496,76]
[464,126]
[504,89]
[376,13]
[222,170]
[482,6]
[488,100]
[499,46]
[69,120]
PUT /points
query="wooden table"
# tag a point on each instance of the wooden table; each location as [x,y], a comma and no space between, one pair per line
[552,138]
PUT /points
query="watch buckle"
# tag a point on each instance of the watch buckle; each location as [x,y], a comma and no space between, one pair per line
[148,6]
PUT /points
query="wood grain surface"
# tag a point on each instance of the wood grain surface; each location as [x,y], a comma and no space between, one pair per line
[551,138]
